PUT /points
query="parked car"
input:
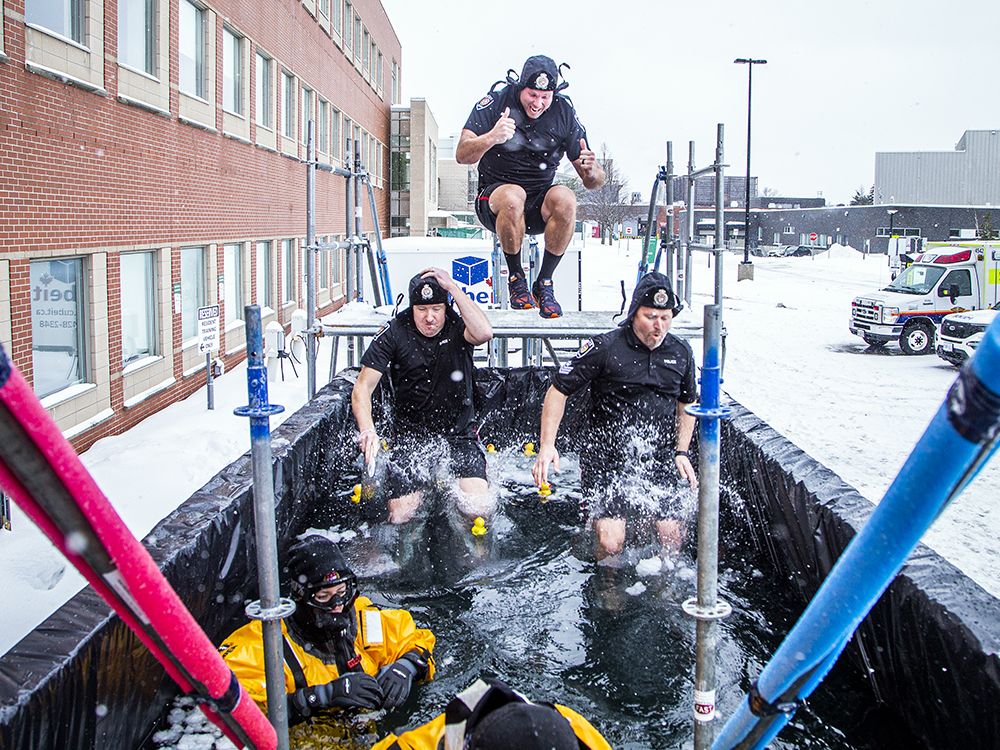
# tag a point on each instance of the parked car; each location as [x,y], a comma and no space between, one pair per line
[777,251]
[799,251]
[962,332]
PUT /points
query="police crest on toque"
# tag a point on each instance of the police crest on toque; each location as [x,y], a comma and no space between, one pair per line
[653,290]
[425,290]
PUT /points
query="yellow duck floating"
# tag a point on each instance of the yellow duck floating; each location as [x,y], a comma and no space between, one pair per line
[529,449]
[479,526]
[356,494]
[490,448]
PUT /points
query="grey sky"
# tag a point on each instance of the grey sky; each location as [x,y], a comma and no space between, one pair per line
[843,80]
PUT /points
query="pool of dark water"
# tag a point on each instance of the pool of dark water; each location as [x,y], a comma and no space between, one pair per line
[529,603]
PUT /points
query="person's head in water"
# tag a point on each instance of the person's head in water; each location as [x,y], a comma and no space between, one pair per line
[524,726]
[652,310]
[322,585]
[429,302]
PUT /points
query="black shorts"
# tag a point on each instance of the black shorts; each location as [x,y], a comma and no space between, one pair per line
[533,222]
[417,464]
[619,489]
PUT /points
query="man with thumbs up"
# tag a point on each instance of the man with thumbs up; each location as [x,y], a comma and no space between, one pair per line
[519,135]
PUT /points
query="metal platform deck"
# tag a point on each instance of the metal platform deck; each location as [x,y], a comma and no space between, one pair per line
[535,332]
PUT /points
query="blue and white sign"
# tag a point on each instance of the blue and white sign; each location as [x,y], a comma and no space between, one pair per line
[472,274]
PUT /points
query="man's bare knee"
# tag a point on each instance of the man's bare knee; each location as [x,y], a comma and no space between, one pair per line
[610,534]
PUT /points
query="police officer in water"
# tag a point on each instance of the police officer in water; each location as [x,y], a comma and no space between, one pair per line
[426,354]
[519,136]
[636,446]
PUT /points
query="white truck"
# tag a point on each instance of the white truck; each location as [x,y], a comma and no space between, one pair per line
[961,333]
[947,277]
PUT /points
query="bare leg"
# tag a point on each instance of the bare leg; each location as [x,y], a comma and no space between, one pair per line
[671,533]
[610,534]
[559,213]
[507,202]
[401,509]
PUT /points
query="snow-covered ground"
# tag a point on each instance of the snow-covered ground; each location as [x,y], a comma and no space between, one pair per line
[790,359]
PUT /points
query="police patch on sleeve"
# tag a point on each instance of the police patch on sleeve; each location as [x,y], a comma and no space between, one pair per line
[485,102]
[383,329]
[585,347]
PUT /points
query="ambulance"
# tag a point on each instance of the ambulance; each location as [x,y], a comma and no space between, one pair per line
[947,277]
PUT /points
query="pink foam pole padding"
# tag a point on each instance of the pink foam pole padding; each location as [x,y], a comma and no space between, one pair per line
[157,602]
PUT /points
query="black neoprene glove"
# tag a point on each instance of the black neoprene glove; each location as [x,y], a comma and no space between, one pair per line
[396,679]
[354,690]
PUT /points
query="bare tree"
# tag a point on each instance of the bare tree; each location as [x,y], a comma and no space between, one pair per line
[606,205]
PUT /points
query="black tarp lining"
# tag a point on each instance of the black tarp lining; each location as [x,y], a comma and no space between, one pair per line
[83,680]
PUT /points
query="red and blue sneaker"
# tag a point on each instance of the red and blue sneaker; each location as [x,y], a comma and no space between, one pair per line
[520,299]
[545,298]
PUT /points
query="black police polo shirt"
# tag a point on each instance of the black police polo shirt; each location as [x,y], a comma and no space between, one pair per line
[431,377]
[631,387]
[531,157]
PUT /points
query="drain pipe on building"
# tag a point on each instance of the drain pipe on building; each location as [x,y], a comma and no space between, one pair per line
[270,608]
[706,608]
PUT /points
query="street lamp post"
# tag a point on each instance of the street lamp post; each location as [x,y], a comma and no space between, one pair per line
[748,274]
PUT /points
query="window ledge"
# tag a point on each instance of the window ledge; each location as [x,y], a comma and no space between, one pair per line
[57,35]
[139,364]
[139,72]
[102,416]
[234,325]
[196,124]
[58,75]
[236,137]
[140,397]
[66,394]
[144,105]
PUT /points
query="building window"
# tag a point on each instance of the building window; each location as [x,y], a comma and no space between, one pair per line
[379,77]
[357,38]
[288,110]
[288,253]
[138,299]
[324,126]
[307,103]
[62,17]
[232,72]
[137,34]
[264,96]
[348,16]
[324,7]
[335,134]
[58,320]
[366,50]
[395,83]
[194,289]
[264,274]
[348,143]
[192,49]
[338,19]
[232,273]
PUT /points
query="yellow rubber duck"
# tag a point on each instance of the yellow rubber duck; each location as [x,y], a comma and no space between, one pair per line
[479,526]
[529,449]
[356,494]
[490,448]
[544,489]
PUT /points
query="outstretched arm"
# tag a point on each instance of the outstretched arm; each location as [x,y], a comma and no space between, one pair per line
[361,405]
[553,409]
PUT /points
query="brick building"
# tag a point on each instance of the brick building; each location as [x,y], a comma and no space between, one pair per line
[151,162]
